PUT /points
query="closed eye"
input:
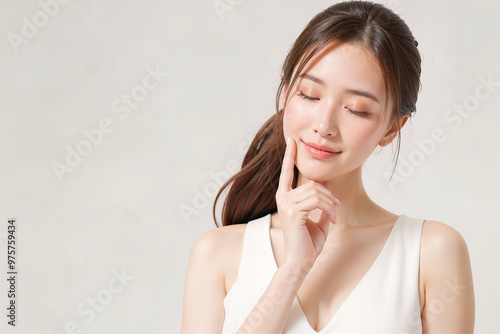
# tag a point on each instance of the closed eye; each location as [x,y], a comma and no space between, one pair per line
[309,98]
[359,113]
[306,97]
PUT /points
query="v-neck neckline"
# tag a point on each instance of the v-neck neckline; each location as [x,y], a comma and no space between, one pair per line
[373,265]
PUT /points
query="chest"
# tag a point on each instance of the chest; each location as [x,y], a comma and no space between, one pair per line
[345,261]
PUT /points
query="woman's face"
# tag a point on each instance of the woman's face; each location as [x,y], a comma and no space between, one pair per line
[338,102]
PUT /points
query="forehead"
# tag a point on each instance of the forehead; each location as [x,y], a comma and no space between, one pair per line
[347,65]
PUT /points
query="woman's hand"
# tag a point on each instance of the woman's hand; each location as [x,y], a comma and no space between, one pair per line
[304,239]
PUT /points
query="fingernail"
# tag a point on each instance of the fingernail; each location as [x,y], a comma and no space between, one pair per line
[338,202]
[288,141]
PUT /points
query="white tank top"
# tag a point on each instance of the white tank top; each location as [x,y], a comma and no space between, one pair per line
[385,301]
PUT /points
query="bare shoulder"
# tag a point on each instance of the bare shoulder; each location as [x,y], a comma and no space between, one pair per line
[445,266]
[447,278]
[219,237]
[204,290]
[219,245]
[440,241]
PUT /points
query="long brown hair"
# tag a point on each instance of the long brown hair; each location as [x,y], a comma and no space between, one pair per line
[253,191]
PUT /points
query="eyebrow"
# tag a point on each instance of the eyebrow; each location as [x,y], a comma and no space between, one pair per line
[347,90]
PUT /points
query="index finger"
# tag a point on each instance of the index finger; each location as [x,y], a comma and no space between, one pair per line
[286,176]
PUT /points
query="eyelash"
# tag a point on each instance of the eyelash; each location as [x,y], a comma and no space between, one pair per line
[305,97]
[308,98]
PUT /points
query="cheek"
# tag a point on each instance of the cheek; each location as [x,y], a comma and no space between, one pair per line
[294,119]
[363,138]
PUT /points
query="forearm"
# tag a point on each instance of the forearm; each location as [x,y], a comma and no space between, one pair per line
[271,312]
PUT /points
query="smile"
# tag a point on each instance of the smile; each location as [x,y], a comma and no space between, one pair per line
[319,153]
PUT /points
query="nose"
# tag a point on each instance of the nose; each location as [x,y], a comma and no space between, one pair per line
[325,122]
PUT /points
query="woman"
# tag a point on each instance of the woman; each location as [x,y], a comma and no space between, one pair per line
[303,249]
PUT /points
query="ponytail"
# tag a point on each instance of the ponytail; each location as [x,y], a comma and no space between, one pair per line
[253,191]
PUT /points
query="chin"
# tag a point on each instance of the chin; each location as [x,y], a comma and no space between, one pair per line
[319,173]
[316,174]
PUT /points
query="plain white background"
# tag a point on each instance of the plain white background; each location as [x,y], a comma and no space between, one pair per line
[142,193]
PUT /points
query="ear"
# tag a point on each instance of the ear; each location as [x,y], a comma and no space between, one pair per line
[392,132]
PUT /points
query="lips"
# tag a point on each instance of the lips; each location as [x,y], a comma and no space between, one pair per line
[321,147]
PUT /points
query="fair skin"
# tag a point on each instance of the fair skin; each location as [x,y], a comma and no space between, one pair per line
[309,223]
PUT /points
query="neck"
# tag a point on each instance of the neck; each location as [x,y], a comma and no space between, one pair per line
[356,207]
